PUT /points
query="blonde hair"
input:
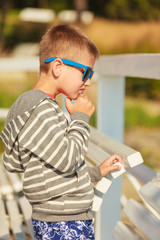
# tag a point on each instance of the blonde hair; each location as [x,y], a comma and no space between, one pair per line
[65,41]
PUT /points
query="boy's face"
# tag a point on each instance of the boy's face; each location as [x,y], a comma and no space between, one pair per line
[72,84]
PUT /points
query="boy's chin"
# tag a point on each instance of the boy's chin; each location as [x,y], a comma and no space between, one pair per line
[74,97]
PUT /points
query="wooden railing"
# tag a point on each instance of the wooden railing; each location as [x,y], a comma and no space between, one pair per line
[112,71]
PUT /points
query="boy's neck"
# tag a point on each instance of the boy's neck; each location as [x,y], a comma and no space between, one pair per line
[46,84]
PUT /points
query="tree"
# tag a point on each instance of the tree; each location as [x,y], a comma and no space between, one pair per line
[80,6]
[4,5]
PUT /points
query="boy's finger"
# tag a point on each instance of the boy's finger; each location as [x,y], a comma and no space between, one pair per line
[114,168]
[117,158]
[68,104]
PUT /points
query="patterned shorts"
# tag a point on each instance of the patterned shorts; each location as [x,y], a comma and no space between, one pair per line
[73,230]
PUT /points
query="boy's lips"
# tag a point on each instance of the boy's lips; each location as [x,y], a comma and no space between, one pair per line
[82,90]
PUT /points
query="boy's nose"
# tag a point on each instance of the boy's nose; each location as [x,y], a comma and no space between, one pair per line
[88,83]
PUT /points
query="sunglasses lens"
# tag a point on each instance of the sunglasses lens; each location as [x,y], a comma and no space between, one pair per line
[87,74]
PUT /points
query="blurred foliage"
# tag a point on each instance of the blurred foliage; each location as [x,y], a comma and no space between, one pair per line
[131,10]
[138,116]
[139,87]
[6,102]
[57,5]
[126,9]
[93,119]
[21,32]
[15,31]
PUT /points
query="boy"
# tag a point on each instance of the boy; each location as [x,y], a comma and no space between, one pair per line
[49,150]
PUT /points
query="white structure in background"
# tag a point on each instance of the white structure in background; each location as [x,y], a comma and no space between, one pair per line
[67,16]
[26,49]
[70,16]
[37,15]
[47,15]
[19,64]
[87,17]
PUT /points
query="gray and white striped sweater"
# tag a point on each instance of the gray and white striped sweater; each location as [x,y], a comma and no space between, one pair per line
[51,153]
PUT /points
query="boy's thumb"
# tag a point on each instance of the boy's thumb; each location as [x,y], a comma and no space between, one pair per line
[68,104]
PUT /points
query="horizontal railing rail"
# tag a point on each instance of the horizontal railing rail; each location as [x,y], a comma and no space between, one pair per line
[132,65]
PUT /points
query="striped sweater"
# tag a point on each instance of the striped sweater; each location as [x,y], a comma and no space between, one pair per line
[50,151]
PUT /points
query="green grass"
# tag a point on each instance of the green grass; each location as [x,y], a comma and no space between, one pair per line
[142,126]
[138,116]
[6,99]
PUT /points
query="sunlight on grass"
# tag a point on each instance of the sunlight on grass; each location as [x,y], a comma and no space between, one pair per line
[138,116]
[125,37]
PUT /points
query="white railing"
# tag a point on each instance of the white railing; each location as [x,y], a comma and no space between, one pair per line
[112,71]
[111,93]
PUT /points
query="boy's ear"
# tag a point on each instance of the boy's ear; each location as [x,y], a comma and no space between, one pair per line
[57,67]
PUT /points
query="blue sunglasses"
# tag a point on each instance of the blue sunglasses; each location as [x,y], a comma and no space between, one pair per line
[88,70]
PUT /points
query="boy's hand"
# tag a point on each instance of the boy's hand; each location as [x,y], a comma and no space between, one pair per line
[109,164]
[82,104]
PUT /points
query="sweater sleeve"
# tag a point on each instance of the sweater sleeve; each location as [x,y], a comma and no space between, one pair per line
[95,174]
[47,135]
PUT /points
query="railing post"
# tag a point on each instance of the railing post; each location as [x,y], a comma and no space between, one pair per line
[111,91]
